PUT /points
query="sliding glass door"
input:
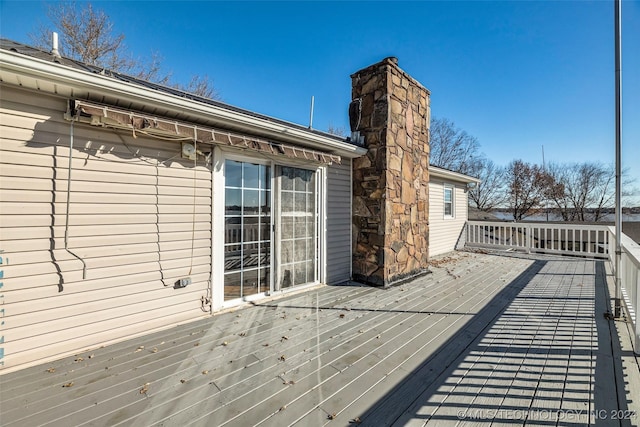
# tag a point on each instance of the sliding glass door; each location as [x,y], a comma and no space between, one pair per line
[251,233]
[247,246]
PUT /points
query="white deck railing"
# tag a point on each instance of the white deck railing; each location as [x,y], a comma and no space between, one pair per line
[593,241]
[629,279]
[563,239]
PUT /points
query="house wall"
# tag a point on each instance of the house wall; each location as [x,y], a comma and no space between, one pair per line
[444,232]
[339,222]
[131,220]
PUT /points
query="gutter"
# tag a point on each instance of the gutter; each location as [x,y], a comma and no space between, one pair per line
[454,176]
[60,75]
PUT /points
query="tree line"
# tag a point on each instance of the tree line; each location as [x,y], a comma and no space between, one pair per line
[575,191]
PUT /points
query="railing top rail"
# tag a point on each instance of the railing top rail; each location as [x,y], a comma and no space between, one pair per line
[535,224]
[629,247]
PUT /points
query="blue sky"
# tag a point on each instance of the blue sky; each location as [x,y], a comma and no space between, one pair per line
[517,75]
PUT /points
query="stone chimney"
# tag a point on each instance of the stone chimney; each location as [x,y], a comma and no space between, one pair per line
[390,110]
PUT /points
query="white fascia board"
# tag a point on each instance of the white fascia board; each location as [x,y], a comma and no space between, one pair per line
[450,175]
[78,80]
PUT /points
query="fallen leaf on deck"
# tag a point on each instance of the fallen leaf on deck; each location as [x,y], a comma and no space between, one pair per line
[284,338]
[51,370]
[332,416]
[183,381]
[356,420]
[139,349]
[79,359]
[68,384]
[91,356]
[154,350]
[225,343]
[205,372]
[282,358]
[144,389]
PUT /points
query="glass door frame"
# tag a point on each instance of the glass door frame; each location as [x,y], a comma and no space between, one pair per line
[320,215]
[219,156]
[219,228]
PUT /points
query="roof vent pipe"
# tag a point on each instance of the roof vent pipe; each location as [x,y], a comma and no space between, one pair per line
[54,50]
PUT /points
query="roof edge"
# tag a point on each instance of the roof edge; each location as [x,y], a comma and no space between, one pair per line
[25,65]
[451,175]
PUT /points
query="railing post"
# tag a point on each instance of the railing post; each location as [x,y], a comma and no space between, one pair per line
[527,238]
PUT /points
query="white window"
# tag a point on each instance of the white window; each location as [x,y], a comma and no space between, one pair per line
[448,201]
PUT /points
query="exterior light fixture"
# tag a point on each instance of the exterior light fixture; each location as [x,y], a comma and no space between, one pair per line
[188,151]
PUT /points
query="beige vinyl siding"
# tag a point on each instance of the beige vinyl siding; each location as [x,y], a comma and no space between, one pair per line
[444,232]
[339,222]
[131,220]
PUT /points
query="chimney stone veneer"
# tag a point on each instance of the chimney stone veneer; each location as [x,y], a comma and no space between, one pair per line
[390,183]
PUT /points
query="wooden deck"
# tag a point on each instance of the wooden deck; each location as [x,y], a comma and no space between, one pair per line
[486,339]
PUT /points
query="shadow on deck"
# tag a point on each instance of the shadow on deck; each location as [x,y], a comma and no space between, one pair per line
[551,357]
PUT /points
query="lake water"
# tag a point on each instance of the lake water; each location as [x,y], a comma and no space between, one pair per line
[505,216]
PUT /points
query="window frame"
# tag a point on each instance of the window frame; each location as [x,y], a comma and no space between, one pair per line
[452,188]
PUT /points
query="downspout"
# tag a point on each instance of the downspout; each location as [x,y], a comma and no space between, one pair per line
[66,221]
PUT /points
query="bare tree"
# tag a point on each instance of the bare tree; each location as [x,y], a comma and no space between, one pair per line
[87,35]
[201,86]
[490,192]
[584,191]
[450,147]
[336,130]
[526,185]
[151,70]
[556,193]
[581,191]
[603,193]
